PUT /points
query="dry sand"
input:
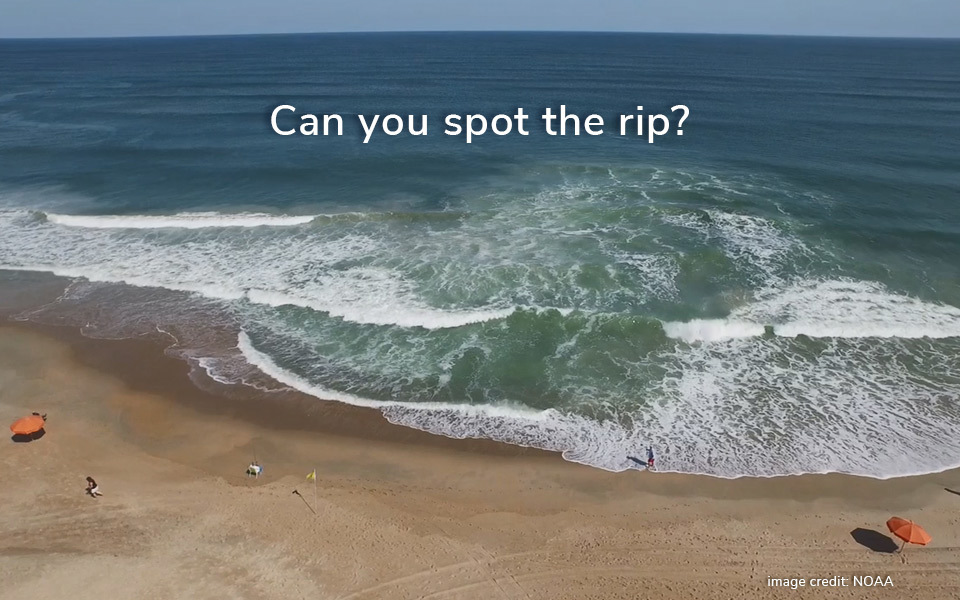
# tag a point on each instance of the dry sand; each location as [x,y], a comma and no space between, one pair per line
[399,514]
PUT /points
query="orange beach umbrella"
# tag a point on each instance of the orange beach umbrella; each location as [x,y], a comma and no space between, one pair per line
[908,531]
[27,425]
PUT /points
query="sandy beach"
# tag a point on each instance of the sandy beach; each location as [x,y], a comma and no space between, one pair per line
[396,513]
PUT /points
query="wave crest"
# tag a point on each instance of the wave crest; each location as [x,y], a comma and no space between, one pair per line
[187,220]
[827,309]
[407,316]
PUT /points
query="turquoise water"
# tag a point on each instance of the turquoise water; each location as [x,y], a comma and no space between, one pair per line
[774,292]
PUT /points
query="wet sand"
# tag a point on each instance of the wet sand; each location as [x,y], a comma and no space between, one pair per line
[396,513]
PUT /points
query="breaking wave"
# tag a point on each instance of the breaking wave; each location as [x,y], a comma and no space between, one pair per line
[720,335]
[827,309]
[701,429]
[187,220]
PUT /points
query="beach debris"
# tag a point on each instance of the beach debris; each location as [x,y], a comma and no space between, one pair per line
[254,470]
[908,531]
[297,492]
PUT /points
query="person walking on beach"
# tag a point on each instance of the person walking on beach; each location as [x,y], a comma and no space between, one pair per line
[650,465]
[92,488]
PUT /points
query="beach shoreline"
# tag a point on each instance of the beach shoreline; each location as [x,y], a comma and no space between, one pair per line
[152,360]
[145,366]
[398,513]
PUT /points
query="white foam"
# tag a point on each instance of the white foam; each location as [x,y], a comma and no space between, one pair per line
[851,309]
[381,269]
[577,438]
[711,330]
[750,240]
[835,410]
[331,270]
[268,366]
[186,220]
[697,424]
[658,271]
[828,309]
[375,313]
[363,311]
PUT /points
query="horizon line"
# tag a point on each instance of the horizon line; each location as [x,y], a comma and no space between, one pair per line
[491,31]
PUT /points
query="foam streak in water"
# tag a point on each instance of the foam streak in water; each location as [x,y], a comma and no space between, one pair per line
[197,220]
[365,313]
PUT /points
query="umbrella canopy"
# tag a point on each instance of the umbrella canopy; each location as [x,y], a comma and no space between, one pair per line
[27,425]
[908,531]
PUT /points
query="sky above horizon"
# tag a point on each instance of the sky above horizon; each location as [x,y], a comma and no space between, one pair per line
[108,18]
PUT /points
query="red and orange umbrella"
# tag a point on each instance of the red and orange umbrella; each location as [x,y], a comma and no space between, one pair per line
[908,531]
[28,425]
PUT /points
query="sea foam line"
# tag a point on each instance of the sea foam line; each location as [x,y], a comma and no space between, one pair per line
[827,309]
[717,330]
[269,367]
[187,220]
[427,318]
[711,330]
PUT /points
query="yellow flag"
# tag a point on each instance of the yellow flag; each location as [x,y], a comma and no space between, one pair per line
[312,476]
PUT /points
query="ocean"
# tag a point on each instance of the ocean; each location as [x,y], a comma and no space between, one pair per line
[776,291]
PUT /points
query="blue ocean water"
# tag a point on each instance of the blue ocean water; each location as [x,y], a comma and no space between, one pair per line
[775,291]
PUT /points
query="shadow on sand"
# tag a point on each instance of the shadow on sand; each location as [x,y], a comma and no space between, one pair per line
[874,540]
[27,437]
[952,491]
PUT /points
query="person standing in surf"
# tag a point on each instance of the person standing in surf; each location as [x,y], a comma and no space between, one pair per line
[650,465]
